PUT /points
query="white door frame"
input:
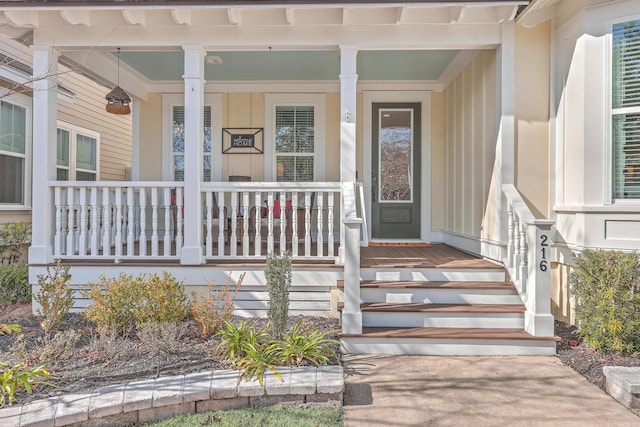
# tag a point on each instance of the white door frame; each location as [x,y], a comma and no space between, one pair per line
[424,98]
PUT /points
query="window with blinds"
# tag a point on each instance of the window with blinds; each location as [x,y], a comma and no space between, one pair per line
[626,110]
[177,146]
[13,119]
[76,153]
[295,143]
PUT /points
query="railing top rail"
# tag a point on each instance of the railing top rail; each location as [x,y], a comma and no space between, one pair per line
[117,184]
[270,186]
[519,205]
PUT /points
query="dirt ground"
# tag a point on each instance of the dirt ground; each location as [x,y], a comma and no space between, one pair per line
[96,361]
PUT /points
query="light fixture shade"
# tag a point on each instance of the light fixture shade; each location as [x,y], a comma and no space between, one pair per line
[118,101]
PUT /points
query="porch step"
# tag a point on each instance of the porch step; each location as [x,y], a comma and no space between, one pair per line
[411,315]
[438,274]
[438,292]
[447,341]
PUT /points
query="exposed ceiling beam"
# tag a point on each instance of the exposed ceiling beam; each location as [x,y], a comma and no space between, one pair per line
[76,16]
[22,18]
[457,14]
[134,16]
[400,13]
[234,15]
[290,16]
[181,16]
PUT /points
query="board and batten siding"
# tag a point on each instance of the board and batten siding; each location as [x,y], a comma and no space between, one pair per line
[464,144]
[88,111]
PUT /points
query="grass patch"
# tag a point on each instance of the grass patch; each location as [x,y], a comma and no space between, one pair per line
[272,416]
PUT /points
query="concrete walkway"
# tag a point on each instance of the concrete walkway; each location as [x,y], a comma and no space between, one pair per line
[474,391]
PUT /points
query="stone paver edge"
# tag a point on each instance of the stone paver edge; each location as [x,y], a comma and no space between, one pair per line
[120,399]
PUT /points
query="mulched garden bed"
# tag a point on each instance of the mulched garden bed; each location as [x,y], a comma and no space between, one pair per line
[97,361]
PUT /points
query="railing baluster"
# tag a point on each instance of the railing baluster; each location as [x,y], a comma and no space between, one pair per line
[106,222]
[245,223]
[208,241]
[330,243]
[70,221]
[307,223]
[130,223]
[118,223]
[57,240]
[142,240]
[166,201]
[84,222]
[270,224]
[221,223]
[258,224]
[516,246]
[283,222]
[155,239]
[510,237]
[95,222]
[233,237]
[523,251]
[294,224]
[320,238]
[180,217]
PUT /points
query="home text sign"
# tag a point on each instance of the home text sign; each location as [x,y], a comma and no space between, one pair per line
[242,140]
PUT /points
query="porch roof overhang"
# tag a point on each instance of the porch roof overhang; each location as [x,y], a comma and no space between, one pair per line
[86,33]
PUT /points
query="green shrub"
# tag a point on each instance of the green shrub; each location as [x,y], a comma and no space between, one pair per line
[278,275]
[55,296]
[13,237]
[121,303]
[162,299]
[13,378]
[307,345]
[14,286]
[606,286]
[9,328]
[211,312]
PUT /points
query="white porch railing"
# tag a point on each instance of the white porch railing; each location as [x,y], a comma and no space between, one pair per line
[298,217]
[528,261]
[116,220]
[144,220]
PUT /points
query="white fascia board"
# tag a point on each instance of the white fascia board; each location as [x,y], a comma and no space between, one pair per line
[537,12]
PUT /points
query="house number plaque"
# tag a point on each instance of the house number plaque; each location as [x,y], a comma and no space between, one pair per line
[544,248]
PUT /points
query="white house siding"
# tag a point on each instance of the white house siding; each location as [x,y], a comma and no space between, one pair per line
[585,213]
[464,147]
[88,111]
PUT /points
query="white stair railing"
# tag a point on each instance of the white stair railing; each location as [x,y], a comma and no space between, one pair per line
[528,261]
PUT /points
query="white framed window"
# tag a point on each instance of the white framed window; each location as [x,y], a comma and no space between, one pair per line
[295,127]
[77,153]
[625,120]
[173,138]
[15,151]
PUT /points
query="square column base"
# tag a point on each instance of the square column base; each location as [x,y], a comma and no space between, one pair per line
[191,255]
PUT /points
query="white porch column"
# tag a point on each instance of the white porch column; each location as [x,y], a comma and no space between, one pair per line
[45,113]
[348,87]
[193,136]
[505,144]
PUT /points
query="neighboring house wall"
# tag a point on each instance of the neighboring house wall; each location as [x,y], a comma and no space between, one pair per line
[464,147]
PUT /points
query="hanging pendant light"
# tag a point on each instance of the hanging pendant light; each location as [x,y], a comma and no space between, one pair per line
[118,100]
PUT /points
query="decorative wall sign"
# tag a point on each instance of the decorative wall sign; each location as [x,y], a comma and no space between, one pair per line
[242,140]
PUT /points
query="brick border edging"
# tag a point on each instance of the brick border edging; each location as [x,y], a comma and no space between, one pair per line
[150,400]
[623,384]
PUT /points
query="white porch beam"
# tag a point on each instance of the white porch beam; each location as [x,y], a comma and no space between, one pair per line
[45,114]
[193,135]
[234,16]
[76,16]
[134,16]
[23,18]
[181,16]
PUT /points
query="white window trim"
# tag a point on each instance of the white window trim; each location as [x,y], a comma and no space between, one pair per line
[273,100]
[214,100]
[73,131]
[26,103]
[612,111]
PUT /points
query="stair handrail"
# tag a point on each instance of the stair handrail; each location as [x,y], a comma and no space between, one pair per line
[528,261]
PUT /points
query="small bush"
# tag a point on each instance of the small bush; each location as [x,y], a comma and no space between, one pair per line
[606,286]
[16,377]
[162,299]
[307,345]
[58,346]
[278,275]
[55,296]
[9,328]
[210,313]
[158,337]
[14,286]
[13,237]
[124,302]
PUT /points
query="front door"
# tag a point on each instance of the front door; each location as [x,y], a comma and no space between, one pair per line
[395,171]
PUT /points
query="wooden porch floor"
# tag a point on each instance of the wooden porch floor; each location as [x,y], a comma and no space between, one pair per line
[433,256]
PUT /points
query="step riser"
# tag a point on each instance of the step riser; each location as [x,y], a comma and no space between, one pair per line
[442,320]
[439,296]
[433,274]
[442,347]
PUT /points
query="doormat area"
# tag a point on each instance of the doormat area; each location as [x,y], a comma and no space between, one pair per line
[401,244]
